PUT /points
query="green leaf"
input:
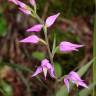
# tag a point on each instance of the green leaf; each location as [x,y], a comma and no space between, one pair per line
[84,68]
[3,26]
[54,45]
[62,92]
[5,88]
[58,69]
[38,55]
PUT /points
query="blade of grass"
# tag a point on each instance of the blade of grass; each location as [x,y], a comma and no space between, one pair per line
[94,54]
[84,68]
[54,46]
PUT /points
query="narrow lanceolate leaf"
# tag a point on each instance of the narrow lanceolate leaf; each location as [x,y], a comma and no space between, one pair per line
[84,68]
[54,46]
[94,55]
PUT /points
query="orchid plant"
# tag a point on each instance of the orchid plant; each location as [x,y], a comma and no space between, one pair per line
[47,66]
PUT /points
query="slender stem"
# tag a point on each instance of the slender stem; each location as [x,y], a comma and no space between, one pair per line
[46,37]
[48,47]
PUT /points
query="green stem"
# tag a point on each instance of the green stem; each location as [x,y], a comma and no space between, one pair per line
[46,37]
[48,47]
[94,55]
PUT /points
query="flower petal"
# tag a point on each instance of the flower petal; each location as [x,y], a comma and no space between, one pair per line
[51,19]
[21,4]
[45,63]
[75,75]
[75,78]
[31,39]
[47,67]
[82,84]
[32,2]
[35,28]
[51,72]
[25,11]
[66,83]
[38,70]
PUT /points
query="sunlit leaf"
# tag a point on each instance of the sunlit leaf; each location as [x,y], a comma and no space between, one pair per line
[6,88]
[3,26]
[38,55]
[58,69]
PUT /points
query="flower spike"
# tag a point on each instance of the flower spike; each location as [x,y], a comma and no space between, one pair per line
[49,22]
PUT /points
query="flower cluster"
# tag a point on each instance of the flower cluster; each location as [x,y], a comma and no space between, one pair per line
[75,79]
[64,46]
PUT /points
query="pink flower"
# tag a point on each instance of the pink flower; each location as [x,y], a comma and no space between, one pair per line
[45,67]
[49,22]
[51,19]
[31,39]
[25,11]
[75,79]
[32,2]
[35,28]
[68,47]
[22,6]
